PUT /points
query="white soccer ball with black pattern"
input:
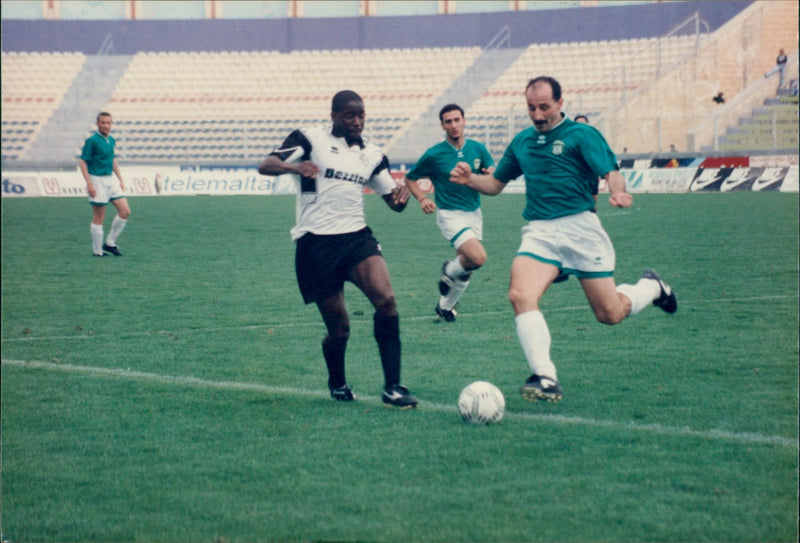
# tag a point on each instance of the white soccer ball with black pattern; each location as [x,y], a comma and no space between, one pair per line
[481,403]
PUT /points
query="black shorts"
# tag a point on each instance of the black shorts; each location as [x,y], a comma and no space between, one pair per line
[323,263]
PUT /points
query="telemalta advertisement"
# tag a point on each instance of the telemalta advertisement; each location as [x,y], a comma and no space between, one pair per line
[188,181]
[151,181]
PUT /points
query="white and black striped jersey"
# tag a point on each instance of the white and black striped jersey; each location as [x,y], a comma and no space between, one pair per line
[333,201]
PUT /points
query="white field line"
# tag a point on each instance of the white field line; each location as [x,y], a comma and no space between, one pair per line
[304,324]
[658,429]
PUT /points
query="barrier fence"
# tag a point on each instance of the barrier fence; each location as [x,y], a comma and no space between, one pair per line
[654,175]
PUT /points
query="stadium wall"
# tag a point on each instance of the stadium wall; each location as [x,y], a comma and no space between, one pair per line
[735,59]
[664,175]
[284,35]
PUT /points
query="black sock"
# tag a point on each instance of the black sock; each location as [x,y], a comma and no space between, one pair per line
[333,349]
[387,334]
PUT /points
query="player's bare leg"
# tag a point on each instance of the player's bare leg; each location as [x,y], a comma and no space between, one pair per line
[456,273]
[609,305]
[530,279]
[117,225]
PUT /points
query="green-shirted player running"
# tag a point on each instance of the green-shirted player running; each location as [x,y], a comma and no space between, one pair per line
[561,161]
[457,207]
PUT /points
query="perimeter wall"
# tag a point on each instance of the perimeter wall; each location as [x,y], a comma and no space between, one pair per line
[129,37]
[677,104]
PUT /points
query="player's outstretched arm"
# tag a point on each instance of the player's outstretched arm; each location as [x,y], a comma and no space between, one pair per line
[616,186]
[483,183]
[273,165]
[425,203]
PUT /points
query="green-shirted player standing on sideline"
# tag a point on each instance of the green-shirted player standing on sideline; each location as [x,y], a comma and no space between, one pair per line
[561,161]
[458,208]
[97,164]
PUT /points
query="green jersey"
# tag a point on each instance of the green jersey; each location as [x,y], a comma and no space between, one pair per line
[98,153]
[436,164]
[560,167]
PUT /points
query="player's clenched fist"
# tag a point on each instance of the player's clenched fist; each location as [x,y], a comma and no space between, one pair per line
[620,199]
[461,173]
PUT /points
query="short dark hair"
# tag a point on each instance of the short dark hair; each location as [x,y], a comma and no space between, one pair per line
[555,85]
[103,114]
[581,116]
[342,98]
[448,108]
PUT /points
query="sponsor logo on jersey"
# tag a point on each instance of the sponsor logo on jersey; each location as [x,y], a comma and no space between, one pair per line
[330,173]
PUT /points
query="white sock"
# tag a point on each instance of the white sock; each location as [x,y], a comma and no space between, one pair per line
[97,238]
[641,294]
[117,226]
[454,268]
[534,336]
[449,301]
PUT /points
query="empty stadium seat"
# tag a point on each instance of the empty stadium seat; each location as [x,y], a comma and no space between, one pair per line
[261,96]
[34,85]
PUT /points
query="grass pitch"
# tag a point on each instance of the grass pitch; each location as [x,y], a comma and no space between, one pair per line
[178,393]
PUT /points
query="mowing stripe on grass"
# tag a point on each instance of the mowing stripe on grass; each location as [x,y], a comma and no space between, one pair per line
[718,435]
[305,324]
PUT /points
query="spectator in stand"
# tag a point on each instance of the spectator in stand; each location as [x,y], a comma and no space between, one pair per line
[780,68]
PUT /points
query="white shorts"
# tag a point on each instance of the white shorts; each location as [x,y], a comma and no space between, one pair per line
[108,189]
[458,226]
[576,244]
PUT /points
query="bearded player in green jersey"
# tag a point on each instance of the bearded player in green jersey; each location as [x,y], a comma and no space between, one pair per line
[458,208]
[560,161]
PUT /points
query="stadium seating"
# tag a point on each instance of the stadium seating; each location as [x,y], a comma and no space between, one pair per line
[237,106]
[34,85]
[240,105]
[775,121]
[594,76]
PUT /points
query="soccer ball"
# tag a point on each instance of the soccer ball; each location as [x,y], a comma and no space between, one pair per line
[481,403]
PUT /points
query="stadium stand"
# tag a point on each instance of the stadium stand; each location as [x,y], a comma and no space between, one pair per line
[237,105]
[594,75]
[230,106]
[33,86]
[775,121]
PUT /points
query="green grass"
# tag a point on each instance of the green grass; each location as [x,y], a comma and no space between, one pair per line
[178,393]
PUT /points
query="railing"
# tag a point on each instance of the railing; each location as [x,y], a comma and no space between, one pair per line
[694,23]
[502,38]
[711,128]
[107,47]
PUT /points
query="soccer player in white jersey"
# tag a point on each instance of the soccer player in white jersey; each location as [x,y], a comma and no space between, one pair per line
[458,208]
[333,164]
[561,161]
